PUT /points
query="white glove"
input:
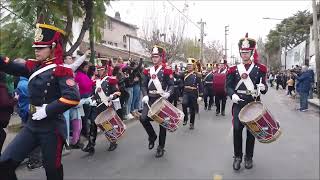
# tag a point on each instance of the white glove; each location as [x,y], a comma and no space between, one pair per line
[40,113]
[92,102]
[261,86]
[110,97]
[236,98]
[166,95]
[199,99]
[145,99]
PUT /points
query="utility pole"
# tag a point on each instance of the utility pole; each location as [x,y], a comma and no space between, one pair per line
[316,43]
[225,41]
[201,39]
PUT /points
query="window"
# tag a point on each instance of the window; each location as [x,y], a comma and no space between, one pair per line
[116,44]
[124,39]
[125,46]
[109,25]
[102,41]
[110,43]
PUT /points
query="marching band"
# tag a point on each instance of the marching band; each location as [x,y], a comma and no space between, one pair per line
[161,86]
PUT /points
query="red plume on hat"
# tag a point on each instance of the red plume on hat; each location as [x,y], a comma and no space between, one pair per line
[255,56]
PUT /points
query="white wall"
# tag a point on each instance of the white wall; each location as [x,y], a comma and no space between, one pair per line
[295,56]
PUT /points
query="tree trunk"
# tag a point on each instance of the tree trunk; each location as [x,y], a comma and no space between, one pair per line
[85,26]
[91,37]
[316,44]
[68,29]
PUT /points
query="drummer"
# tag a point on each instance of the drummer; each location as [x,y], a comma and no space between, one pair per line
[243,80]
[110,87]
[158,82]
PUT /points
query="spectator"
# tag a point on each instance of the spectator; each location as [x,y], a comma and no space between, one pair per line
[312,82]
[135,77]
[6,107]
[271,79]
[129,88]
[303,87]
[278,80]
[290,84]
[85,88]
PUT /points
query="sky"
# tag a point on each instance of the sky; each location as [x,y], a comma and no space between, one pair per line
[241,16]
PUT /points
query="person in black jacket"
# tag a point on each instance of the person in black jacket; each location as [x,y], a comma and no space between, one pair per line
[6,107]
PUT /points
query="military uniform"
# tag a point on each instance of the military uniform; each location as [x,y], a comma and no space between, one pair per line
[51,92]
[174,98]
[242,83]
[208,88]
[151,92]
[109,86]
[221,98]
[193,89]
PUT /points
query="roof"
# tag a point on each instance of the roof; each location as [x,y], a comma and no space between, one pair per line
[123,23]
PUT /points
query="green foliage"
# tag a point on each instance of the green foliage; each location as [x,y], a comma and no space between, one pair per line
[55,12]
[290,32]
[190,48]
[16,41]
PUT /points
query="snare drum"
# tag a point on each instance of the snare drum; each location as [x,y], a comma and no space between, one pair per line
[111,124]
[257,118]
[165,114]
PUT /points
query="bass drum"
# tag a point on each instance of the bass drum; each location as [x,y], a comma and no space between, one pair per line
[219,84]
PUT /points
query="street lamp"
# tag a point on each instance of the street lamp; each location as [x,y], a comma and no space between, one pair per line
[285,33]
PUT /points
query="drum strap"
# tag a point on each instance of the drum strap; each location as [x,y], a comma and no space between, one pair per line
[104,98]
[188,75]
[207,75]
[156,80]
[247,81]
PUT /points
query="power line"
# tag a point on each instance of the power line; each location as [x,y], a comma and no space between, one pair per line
[184,15]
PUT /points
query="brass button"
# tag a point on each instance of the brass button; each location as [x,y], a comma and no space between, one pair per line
[48,84]
[52,77]
[45,91]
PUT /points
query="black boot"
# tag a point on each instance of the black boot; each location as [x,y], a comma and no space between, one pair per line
[248,163]
[185,123]
[113,146]
[89,148]
[209,109]
[78,145]
[191,126]
[205,108]
[160,152]
[222,113]
[151,143]
[217,113]
[237,163]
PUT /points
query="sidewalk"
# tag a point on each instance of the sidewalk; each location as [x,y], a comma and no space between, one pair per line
[314,102]
[15,126]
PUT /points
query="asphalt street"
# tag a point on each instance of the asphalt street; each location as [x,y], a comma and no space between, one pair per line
[205,152]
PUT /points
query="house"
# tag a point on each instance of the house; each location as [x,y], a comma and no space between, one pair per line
[119,38]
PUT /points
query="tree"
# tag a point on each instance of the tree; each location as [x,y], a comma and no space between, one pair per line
[213,52]
[16,41]
[168,34]
[261,51]
[60,13]
[288,34]
[190,48]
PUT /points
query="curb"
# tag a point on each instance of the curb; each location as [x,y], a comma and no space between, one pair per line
[315,104]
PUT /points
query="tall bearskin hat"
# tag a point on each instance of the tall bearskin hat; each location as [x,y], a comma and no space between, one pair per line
[159,51]
[246,44]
